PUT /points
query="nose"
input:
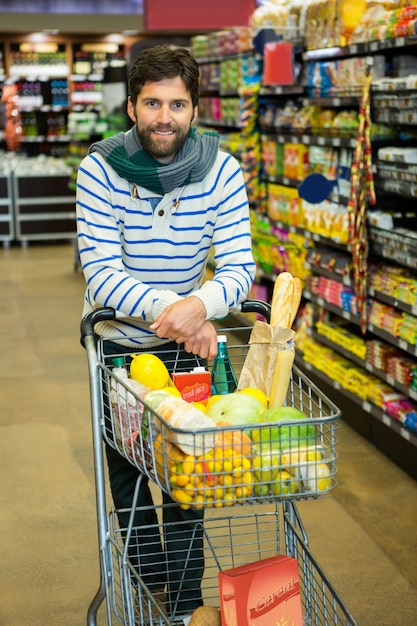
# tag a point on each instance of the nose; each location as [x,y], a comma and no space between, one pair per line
[164,114]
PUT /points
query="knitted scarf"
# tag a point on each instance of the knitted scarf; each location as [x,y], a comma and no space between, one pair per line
[190,165]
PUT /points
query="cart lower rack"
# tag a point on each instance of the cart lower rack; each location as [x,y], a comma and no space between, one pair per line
[253,534]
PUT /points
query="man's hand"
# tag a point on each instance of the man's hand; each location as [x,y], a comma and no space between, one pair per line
[180,321]
[185,322]
[203,343]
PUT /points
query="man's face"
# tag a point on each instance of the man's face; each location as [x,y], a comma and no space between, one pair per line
[163,115]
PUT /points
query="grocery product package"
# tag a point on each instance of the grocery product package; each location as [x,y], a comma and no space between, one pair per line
[265,343]
[262,593]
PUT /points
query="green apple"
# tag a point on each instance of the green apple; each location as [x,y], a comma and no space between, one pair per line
[265,467]
[261,490]
[284,484]
[282,434]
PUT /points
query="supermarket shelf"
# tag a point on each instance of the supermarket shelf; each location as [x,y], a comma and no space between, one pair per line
[278,90]
[311,140]
[335,101]
[216,58]
[325,241]
[399,343]
[398,304]
[346,315]
[365,405]
[321,271]
[365,365]
[221,123]
[361,49]
[393,253]
[6,211]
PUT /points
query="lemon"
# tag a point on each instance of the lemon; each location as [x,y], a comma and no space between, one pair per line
[200,406]
[173,391]
[149,370]
[212,400]
[256,393]
[318,477]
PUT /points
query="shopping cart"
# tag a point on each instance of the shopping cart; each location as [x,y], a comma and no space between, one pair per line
[247,491]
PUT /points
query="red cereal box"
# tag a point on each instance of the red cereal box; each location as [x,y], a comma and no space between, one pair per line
[263,593]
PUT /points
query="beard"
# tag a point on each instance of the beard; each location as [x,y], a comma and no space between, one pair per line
[163,147]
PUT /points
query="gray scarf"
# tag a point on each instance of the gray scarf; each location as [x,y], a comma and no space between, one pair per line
[190,165]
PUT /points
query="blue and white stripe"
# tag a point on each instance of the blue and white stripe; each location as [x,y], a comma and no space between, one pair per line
[138,260]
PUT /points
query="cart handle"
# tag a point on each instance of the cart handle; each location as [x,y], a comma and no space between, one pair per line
[257,306]
[105,314]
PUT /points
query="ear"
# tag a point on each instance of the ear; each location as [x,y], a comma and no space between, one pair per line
[195,114]
[131,110]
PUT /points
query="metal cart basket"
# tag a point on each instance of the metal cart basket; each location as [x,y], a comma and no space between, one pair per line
[246,478]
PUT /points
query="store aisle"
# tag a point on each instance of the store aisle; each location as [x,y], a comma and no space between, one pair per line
[364,534]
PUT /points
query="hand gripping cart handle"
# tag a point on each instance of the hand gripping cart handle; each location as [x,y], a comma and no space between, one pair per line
[246,521]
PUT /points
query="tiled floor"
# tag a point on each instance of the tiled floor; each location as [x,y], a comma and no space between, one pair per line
[364,533]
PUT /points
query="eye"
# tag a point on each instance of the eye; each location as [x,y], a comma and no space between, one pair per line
[179,105]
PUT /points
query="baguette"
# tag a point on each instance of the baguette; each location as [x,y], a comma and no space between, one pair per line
[296,299]
[282,299]
[286,300]
[281,378]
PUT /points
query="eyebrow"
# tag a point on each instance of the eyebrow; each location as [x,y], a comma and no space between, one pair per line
[175,100]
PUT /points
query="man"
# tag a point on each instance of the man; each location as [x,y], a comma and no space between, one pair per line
[151,204]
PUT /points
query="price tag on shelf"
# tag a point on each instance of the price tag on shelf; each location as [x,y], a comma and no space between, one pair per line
[401,257]
[320,301]
[405,433]
[390,380]
[346,315]
[386,419]
[336,385]
[403,344]
[366,406]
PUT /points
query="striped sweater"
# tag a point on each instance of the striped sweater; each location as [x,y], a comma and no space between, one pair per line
[138,259]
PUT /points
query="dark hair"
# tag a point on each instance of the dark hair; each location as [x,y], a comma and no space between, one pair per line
[159,62]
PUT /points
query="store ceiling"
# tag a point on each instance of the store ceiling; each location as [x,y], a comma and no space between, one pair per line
[71,16]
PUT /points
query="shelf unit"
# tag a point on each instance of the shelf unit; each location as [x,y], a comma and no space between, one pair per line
[55,78]
[6,210]
[391,436]
[44,208]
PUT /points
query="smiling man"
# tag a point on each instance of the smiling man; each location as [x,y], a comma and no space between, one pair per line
[151,205]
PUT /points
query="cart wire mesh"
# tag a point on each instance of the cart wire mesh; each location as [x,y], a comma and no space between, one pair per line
[291,459]
[258,533]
